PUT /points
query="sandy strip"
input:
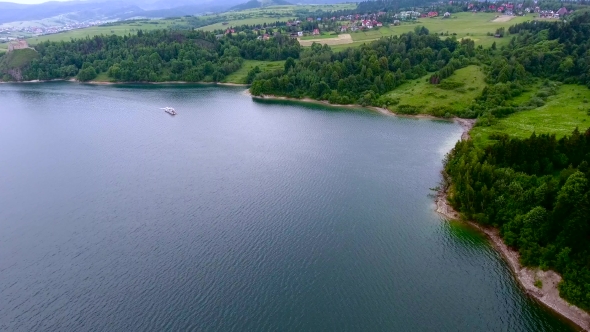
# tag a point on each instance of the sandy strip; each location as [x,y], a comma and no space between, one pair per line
[503,18]
[340,40]
[526,277]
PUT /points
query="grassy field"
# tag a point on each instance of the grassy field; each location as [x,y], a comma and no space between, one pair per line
[119,29]
[562,113]
[429,97]
[464,25]
[322,36]
[240,75]
[248,21]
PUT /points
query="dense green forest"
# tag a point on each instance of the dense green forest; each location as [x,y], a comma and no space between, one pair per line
[537,192]
[156,56]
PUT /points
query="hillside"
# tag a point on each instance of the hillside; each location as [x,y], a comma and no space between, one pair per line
[12,64]
[252,4]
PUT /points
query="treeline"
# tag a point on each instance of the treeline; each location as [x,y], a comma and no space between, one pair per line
[159,55]
[363,75]
[537,192]
[558,51]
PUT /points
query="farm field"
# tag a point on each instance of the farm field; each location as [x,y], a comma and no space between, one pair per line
[239,77]
[561,115]
[437,99]
[343,39]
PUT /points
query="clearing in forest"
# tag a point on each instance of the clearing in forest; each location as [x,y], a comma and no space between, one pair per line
[454,93]
[562,113]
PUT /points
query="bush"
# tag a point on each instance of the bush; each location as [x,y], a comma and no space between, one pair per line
[407,109]
[450,85]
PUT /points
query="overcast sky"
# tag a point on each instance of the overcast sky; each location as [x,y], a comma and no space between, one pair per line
[29,1]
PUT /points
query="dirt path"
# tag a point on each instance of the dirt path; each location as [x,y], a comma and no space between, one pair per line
[503,18]
[340,40]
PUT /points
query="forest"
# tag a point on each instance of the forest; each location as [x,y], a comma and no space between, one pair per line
[155,56]
[537,192]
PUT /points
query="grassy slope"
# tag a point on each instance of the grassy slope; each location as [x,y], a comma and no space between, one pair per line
[18,58]
[562,113]
[426,96]
[240,75]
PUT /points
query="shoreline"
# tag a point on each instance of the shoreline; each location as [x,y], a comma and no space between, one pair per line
[73,80]
[548,294]
[463,122]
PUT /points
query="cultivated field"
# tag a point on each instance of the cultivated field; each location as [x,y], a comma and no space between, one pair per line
[343,39]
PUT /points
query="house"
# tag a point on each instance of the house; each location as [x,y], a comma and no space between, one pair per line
[379,24]
[294,35]
[500,9]
[432,14]
[228,31]
[224,23]
[18,45]
[316,32]
[300,33]
[309,19]
[221,36]
[447,15]
[562,11]
[396,22]
[343,28]
[266,36]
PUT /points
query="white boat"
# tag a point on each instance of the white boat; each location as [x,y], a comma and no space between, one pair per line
[169,110]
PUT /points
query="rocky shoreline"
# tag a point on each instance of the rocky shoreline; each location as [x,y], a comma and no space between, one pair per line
[548,294]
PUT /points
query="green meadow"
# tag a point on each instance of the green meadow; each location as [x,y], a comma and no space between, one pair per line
[431,99]
[562,113]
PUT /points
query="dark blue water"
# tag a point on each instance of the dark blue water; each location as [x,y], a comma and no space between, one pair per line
[234,215]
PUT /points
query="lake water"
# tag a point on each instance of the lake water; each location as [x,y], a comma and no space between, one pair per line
[234,215]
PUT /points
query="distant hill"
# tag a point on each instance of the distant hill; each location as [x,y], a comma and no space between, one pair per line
[259,4]
[90,10]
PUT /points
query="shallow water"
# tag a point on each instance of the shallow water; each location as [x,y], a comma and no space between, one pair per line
[234,215]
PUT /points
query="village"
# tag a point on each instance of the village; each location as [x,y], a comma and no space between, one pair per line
[316,26]
[11,33]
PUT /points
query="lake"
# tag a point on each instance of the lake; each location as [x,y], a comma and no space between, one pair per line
[234,215]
